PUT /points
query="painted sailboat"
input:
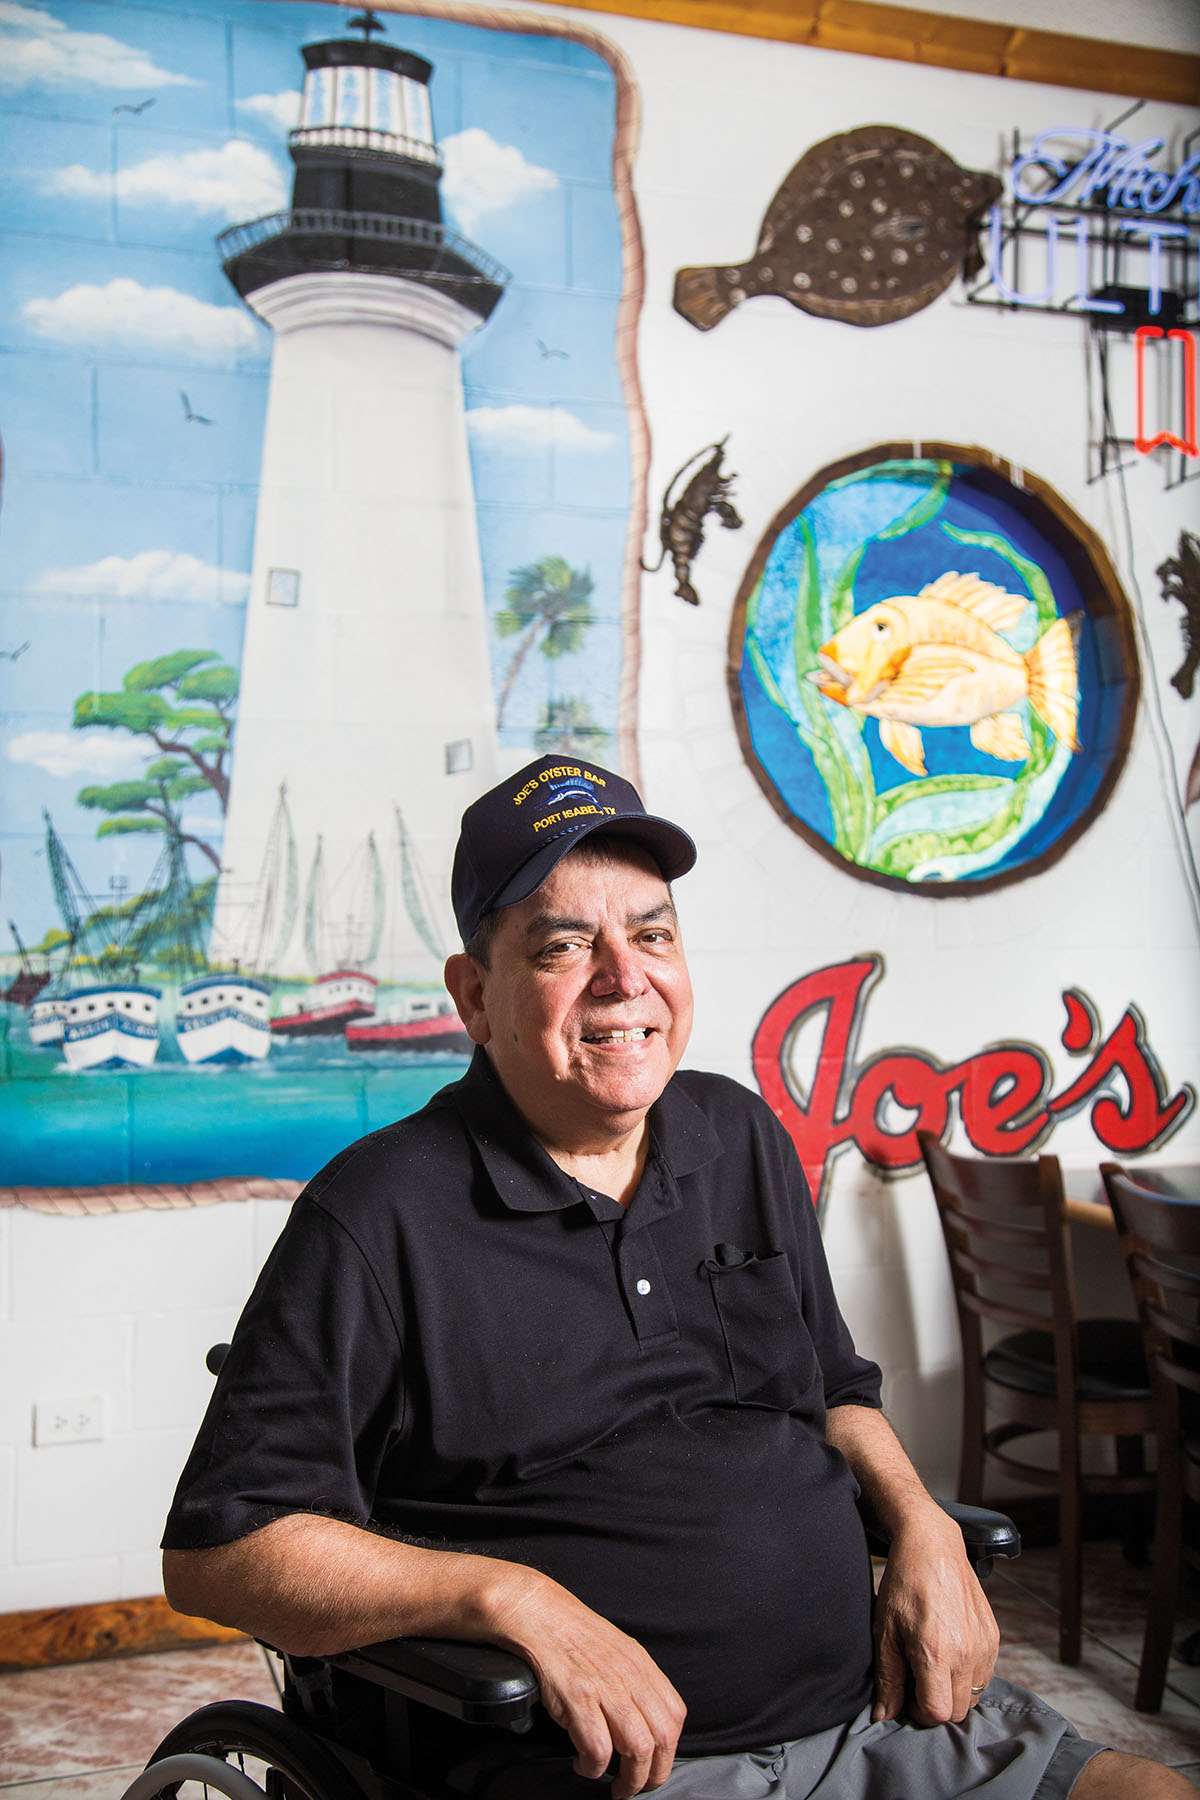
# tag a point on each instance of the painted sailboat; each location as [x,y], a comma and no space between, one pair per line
[418,1021]
[223,1016]
[342,931]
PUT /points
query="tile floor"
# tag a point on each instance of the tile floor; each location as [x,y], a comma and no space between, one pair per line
[81,1732]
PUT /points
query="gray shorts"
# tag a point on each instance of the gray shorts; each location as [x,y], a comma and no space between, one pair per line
[1010,1746]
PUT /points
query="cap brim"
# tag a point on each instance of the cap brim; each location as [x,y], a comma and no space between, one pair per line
[671,848]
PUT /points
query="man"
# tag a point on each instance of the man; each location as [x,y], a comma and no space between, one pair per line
[556,1364]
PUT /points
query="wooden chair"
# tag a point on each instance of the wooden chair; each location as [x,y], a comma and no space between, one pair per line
[1009,1247]
[1160,1240]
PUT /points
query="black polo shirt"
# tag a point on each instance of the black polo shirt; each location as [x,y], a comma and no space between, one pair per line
[455,1341]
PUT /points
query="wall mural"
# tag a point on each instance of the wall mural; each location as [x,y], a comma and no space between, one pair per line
[932,668]
[242,728]
[242,302]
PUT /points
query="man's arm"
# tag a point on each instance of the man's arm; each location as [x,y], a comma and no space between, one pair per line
[931,1616]
[314,1586]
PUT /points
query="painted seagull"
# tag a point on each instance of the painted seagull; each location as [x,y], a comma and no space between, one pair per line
[193,418]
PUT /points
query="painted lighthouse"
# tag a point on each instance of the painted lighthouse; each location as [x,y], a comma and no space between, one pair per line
[366,694]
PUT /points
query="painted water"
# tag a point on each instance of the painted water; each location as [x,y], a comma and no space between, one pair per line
[179,1122]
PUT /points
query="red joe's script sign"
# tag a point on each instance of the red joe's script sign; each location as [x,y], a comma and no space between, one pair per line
[1003,1093]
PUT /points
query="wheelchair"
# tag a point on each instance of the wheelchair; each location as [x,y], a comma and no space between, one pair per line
[409,1719]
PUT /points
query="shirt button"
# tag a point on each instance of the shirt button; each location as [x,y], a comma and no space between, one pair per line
[643,1286]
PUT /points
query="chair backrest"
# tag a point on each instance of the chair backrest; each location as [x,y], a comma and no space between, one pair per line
[1160,1241]
[1008,1243]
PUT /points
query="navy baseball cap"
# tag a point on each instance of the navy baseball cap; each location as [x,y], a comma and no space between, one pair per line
[513,835]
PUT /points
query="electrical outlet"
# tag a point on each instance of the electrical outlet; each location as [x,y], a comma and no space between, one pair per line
[78,1420]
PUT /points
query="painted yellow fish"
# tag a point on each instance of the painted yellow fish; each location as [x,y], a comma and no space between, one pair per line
[937,658]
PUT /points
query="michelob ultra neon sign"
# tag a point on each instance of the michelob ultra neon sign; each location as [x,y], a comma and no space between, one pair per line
[1110,178]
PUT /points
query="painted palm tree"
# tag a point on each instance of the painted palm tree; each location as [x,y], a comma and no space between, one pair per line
[569,726]
[547,603]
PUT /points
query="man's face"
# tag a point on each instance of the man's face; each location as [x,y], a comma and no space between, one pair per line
[587,1005]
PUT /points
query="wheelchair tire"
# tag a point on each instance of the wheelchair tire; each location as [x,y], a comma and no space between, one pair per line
[287,1762]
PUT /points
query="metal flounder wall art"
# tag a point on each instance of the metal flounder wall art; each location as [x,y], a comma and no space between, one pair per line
[870,226]
[933,669]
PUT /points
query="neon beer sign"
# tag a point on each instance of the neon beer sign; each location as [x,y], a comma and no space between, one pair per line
[1113,177]
[1002,1093]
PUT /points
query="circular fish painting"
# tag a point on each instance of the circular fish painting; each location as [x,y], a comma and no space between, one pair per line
[933,669]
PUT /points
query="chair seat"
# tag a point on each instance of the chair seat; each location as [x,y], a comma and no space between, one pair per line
[1112,1363]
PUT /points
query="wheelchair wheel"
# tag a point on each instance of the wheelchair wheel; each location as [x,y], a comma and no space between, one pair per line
[280,1757]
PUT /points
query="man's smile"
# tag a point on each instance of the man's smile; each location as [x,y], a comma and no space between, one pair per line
[633,1034]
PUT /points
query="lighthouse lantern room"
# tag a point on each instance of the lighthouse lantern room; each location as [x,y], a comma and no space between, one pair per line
[366,188]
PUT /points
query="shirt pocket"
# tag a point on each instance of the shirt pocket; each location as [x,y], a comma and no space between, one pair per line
[771,1356]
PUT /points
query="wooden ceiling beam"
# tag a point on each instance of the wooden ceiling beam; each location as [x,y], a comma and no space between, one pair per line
[906,34]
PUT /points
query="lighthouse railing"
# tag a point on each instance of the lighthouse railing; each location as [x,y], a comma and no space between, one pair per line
[363,137]
[381,227]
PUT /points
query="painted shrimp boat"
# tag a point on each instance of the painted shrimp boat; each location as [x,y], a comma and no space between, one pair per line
[334,1001]
[28,989]
[106,1024]
[24,990]
[47,1016]
[111,1026]
[28,982]
[423,1022]
[224,1016]
[223,1019]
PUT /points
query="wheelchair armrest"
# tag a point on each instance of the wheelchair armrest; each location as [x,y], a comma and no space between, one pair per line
[478,1683]
[986,1534]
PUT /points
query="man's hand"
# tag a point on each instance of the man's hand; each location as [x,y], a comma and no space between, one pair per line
[597,1683]
[931,1618]
[314,1586]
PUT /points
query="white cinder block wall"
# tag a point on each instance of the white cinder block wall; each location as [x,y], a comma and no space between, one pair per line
[125,1305]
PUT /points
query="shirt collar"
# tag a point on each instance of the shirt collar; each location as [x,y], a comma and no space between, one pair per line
[526,1177]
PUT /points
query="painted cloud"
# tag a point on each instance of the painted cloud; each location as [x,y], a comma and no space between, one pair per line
[150,575]
[35,46]
[281,110]
[158,319]
[533,427]
[238,181]
[76,753]
[483,176]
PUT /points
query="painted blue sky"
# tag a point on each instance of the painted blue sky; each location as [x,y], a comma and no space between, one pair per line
[133,382]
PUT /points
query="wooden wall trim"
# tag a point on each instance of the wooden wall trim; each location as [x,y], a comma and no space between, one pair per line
[46,1636]
[906,34]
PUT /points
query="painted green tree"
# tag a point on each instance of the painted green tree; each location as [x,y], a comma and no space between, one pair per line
[569,726]
[547,604]
[182,704]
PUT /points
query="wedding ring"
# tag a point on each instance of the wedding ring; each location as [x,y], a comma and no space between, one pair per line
[978,1690]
